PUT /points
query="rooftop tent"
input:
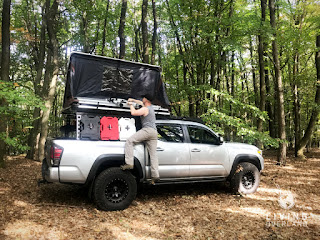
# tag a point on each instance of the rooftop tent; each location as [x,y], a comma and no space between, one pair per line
[101,77]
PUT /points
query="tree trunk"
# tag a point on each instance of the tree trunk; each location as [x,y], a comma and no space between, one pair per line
[184,63]
[136,44]
[154,36]
[53,48]
[121,29]
[5,57]
[96,39]
[84,33]
[296,106]
[218,12]
[159,51]
[315,112]
[145,45]
[296,101]
[45,89]
[279,88]
[269,108]
[218,80]
[261,51]
[32,138]
[212,69]
[232,75]
[105,29]
[254,80]
[5,69]
[40,55]
[178,108]
[232,111]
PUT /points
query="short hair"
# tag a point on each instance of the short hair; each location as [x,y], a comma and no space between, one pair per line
[148,96]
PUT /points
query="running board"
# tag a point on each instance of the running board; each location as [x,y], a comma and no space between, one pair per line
[188,180]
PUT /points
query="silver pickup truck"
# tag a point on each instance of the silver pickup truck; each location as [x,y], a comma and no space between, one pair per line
[188,152]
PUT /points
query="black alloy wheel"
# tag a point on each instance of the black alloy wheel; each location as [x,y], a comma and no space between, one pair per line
[117,190]
[245,179]
[248,180]
[114,189]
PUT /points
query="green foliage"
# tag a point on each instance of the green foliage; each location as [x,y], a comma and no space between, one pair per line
[203,48]
[220,120]
[18,98]
[240,105]
[19,101]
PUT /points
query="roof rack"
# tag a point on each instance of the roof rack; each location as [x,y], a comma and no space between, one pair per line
[171,117]
[100,105]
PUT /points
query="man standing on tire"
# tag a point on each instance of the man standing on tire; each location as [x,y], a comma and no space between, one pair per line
[148,134]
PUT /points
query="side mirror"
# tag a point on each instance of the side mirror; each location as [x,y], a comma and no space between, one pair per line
[220,139]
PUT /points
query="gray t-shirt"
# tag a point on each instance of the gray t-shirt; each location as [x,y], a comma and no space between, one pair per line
[149,120]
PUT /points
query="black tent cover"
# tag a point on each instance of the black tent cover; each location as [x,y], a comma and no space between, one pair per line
[95,76]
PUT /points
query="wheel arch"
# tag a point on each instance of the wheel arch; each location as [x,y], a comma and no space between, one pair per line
[112,160]
[244,158]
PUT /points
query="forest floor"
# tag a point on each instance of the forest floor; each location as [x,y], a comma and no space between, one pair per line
[191,211]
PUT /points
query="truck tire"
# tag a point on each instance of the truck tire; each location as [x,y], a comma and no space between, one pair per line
[114,189]
[246,178]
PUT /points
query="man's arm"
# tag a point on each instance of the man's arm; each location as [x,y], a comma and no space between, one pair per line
[136,101]
[138,112]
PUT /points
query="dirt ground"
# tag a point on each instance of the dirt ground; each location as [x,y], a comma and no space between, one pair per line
[190,211]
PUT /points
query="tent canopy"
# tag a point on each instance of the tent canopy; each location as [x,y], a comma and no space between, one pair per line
[101,77]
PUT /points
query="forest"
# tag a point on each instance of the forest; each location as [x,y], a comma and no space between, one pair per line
[249,69]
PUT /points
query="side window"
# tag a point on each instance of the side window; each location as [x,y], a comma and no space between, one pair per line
[170,133]
[201,135]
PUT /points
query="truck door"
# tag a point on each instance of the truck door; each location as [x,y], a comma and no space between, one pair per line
[173,152]
[208,156]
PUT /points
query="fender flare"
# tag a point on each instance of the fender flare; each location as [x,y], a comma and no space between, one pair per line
[244,158]
[112,160]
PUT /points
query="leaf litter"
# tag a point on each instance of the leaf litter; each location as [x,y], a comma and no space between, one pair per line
[188,211]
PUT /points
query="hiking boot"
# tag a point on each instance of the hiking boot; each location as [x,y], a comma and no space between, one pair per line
[154,180]
[126,167]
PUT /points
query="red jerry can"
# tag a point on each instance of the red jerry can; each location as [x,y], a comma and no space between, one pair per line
[109,128]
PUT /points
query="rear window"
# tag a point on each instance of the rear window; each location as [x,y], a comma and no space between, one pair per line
[170,133]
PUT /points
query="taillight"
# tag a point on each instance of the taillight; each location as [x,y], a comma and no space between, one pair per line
[55,155]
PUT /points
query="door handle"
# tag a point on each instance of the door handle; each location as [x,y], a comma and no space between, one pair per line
[159,149]
[195,150]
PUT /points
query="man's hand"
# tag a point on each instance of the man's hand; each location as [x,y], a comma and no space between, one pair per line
[132,100]
[137,112]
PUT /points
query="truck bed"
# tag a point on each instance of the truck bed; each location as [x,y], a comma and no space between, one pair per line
[79,156]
